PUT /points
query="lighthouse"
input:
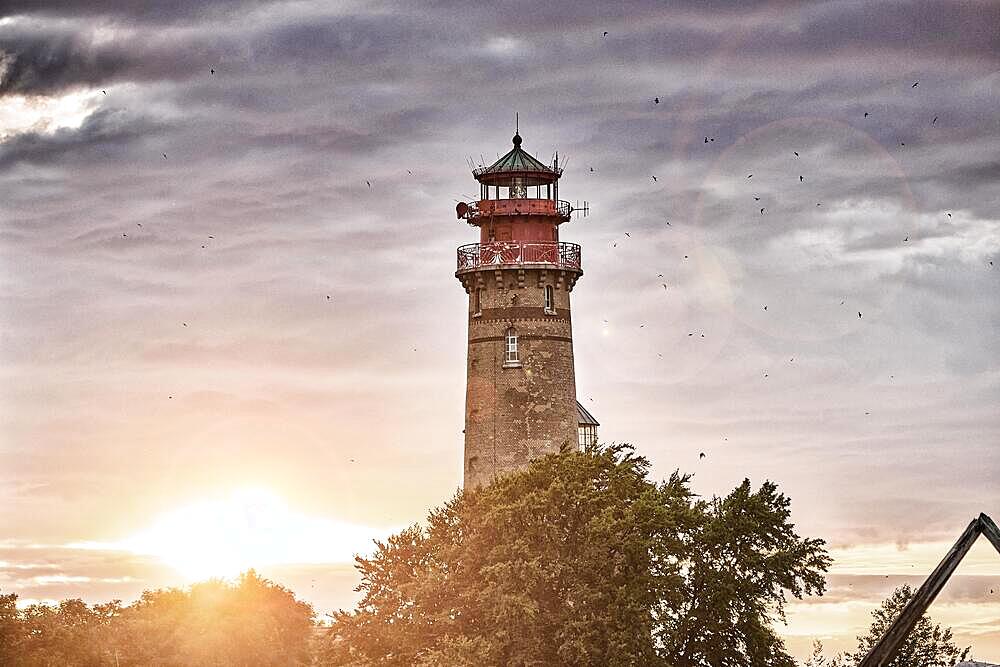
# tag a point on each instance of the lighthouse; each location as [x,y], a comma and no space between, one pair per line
[520,399]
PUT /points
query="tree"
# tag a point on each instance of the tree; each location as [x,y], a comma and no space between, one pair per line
[582,560]
[744,558]
[928,645]
[250,622]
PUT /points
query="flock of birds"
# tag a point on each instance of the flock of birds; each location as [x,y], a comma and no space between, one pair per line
[707,140]
[761,211]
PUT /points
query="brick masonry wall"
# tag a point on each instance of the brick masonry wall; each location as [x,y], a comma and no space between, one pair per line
[515,414]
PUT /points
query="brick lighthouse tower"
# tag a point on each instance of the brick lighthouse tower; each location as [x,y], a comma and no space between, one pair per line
[520,398]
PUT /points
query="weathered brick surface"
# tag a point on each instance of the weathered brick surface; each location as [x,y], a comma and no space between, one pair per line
[515,414]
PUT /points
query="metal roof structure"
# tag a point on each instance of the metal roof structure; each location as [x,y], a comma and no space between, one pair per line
[520,164]
[584,417]
[885,649]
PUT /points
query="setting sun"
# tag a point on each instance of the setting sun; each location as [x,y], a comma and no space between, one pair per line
[248,528]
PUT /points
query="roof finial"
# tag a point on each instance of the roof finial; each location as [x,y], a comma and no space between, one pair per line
[517,134]
[516,128]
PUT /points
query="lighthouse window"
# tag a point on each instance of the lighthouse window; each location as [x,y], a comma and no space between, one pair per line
[511,339]
[550,306]
[477,302]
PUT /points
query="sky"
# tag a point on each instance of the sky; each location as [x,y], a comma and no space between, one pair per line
[231,333]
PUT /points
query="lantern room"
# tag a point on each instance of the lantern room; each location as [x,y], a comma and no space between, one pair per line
[519,199]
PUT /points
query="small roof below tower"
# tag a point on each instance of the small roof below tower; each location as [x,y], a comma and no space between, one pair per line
[584,417]
[517,163]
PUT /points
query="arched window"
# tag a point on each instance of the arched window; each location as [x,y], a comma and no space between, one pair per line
[550,301]
[510,356]
[477,302]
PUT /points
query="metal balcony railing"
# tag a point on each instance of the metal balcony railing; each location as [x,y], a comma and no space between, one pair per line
[514,253]
[488,207]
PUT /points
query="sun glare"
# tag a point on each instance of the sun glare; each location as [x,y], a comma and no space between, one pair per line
[20,113]
[250,528]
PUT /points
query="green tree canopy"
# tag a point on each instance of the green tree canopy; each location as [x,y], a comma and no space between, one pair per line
[247,623]
[583,560]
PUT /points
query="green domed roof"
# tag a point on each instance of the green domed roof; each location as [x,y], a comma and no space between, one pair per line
[517,163]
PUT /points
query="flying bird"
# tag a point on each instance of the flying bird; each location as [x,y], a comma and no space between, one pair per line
[756,198]
[592,169]
[915,84]
[801,178]
[765,306]
[796,153]
[628,235]
[664,285]
[138,224]
[668,223]
[164,156]
[124,236]
[327,297]
[654,179]
[212,70]
[702,455]
[105,92]
[906,239]
[859,314]
[866,114]
[605,33]
[749,175]
[656,100]
[369,184]
[935,120]
[184,324]
[762,211]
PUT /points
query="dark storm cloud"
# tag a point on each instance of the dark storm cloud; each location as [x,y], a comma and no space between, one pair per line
[38,61]
[136,10]
[107,131]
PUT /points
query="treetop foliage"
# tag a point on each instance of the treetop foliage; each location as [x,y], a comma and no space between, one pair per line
[581,559]
[247,623]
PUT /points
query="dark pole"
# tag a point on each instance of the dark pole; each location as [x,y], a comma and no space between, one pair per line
[886,648]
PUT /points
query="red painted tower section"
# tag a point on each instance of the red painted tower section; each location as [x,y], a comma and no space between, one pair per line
[521,386]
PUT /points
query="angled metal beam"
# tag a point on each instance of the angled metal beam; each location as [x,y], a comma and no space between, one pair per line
[882,653]
[991,531]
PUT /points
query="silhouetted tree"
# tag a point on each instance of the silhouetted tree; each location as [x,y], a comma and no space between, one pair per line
[928,645]
[582,560]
